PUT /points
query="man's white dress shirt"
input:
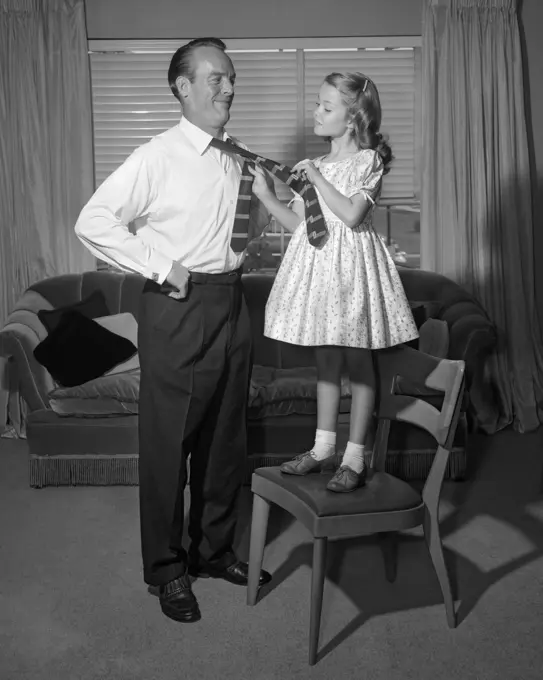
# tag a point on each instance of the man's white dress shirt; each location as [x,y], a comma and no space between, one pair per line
[179,195]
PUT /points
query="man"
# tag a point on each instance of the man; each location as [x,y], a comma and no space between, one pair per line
[194,338]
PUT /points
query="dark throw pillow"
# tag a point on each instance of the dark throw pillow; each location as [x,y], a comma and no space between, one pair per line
[91,307]
[79,350]
[422,311]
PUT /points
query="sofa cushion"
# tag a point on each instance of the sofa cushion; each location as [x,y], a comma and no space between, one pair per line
[273,392]
[110,395]
[422,311]
[425,309]
[286,391]
[79,350]
[126,326]
[91,307]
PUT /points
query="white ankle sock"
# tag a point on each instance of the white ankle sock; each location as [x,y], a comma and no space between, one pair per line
[325,445]
[354,457]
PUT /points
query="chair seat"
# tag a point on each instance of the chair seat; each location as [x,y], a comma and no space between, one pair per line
[381,493]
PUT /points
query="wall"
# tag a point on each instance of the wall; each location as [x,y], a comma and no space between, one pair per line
[251,18]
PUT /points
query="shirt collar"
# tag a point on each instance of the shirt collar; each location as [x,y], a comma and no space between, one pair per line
[198,137]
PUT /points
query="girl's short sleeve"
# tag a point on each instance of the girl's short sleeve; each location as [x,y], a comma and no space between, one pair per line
[366,175]
[294,198]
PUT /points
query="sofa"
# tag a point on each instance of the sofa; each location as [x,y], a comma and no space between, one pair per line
[88,434]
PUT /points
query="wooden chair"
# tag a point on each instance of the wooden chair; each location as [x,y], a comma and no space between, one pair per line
[385,504]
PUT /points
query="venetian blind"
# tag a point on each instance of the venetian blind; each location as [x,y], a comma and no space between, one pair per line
[275,93]
[393,72]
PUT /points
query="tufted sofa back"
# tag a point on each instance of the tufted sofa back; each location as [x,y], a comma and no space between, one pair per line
[443,298]
[122,291]
[469,327]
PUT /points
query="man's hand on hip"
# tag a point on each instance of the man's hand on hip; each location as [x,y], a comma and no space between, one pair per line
[178,277]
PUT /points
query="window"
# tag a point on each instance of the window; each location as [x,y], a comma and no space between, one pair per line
[277,83]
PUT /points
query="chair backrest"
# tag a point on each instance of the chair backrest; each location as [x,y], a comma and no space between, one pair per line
[402,373]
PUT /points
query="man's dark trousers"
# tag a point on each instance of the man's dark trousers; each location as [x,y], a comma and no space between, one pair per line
[195,368]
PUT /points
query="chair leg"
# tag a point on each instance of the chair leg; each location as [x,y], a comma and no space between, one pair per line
[433,540]
[317,586]
[389,547]
[259,526]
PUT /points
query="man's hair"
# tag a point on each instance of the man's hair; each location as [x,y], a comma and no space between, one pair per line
[181,63]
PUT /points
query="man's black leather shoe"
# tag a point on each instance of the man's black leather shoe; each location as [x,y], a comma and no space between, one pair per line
[178,602]
[237,573]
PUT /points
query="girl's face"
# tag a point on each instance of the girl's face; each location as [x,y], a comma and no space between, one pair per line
[331,116]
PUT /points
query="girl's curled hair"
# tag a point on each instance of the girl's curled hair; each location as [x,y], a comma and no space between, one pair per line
[361,97]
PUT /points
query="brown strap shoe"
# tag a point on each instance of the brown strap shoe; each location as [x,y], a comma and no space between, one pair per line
[304,463]
[178,602]
[346,480]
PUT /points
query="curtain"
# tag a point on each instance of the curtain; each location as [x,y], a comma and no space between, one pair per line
[46,153]
[476,208]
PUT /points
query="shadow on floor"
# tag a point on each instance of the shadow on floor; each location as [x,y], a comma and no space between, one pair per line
[504,481]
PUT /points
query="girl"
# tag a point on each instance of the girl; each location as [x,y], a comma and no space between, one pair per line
[345,298]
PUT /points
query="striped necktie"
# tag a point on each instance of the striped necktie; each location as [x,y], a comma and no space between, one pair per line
[316,226]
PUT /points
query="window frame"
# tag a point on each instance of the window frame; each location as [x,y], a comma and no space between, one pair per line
[299,45]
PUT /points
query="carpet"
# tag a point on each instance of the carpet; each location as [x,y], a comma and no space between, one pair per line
[73,604]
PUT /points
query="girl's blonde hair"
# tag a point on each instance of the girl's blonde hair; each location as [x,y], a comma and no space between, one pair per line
[361,97]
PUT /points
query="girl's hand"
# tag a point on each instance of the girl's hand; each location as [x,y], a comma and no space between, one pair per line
[261,186]
[307,171]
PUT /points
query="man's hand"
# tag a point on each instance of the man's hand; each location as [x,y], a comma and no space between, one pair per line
[178,277]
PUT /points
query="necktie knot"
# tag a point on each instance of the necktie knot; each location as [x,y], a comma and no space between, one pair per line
[316,225]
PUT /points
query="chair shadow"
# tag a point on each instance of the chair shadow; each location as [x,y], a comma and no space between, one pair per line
[352,563]
[416,586]
[357,562]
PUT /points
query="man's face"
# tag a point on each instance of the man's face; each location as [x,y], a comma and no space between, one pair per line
[207,100]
